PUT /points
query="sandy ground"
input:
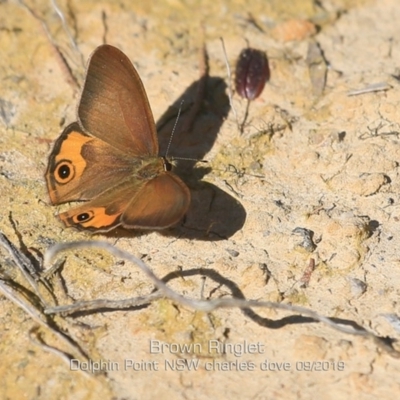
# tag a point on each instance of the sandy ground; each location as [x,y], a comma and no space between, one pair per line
[310,157]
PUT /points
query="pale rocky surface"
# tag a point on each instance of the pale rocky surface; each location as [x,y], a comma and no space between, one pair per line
[328,163]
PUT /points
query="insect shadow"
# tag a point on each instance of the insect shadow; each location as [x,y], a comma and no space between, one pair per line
[213,214]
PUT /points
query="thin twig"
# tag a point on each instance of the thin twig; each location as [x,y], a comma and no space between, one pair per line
[37,316]
[64,24]
[97,304]
[23,263]
[59,56]
[376,87]
[201,305]
[36,338]
[34,311]
[230,95]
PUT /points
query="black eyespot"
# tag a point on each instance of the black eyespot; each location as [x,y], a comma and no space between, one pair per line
[64,172]
[82,217]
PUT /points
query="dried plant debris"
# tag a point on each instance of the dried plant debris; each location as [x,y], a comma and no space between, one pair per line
[32,299]
[374,87]
[317,66]
[44,309]
[164,291]
[251,74]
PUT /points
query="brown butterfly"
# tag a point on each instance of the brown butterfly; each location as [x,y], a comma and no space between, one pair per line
[109,158]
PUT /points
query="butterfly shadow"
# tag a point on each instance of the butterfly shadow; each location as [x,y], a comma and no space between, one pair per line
[213,214]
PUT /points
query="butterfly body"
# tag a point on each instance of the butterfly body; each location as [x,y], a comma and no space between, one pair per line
[109,158]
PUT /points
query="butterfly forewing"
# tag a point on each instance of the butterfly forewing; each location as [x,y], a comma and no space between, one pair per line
[78,155]
[114,105]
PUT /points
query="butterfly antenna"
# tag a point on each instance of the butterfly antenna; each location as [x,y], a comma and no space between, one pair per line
[172,135]
[174,128]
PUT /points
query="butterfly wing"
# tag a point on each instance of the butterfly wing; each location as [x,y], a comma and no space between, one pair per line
[155,204]
[81,167]
[160,203]
[114,105]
